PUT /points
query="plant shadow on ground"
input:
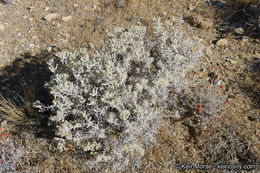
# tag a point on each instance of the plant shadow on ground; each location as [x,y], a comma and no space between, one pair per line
[252,90]
[240,20]
[23,83]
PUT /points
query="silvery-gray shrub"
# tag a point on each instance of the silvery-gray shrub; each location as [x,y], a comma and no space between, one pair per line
[110,102]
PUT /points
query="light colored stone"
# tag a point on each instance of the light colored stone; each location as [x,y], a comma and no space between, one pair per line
[51,16]
[34,37]
[67,18]
[200,21]
[222,42]
[2,27]
[191,7]
[49,48]
[120,3]
[31,45]
[245,38]
[239,31]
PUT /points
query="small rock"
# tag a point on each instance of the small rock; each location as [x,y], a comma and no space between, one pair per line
[31,45]
[222,42]
[239,31]
[120,3]
[51,16]
[34,37]
[67,18]
[46,8]
[2,27]
[245,39]
[25,17]
[49,48]
[191,7]
[199,21]
[219,4]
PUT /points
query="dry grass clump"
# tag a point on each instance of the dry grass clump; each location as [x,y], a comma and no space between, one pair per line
[15,116]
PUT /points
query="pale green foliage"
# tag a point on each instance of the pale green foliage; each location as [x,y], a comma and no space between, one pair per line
[120,91]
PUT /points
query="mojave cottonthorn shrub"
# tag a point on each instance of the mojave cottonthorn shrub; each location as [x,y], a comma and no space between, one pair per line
[110,102]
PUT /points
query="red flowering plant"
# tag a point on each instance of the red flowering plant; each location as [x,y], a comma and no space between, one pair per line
[209,95]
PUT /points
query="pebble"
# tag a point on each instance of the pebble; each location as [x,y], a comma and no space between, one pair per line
[31,45]
[245,39]
[49,48]
[239,31]
[219,4]
[67,18]
[2,27]
[198,21]
[191,7]
[177,115]
[222,42]
[120,3]
[51,16]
